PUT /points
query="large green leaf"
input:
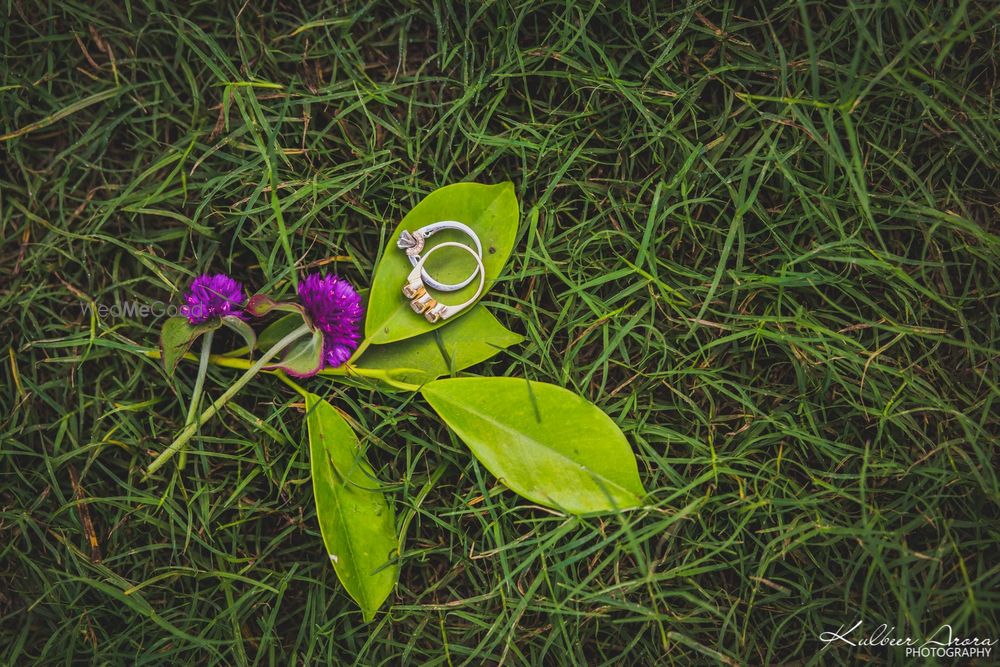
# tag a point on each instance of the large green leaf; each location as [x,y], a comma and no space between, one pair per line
[357,523]
[490,210]
[542,441]
[176,337]
[463,343]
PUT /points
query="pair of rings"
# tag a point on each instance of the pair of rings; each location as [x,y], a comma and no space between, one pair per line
[419,280]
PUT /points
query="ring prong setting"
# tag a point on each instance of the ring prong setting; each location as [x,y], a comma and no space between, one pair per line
[423,303]
[435,314]
[413,290]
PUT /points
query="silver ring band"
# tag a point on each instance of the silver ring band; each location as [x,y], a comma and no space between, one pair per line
[413,243]
[422,302]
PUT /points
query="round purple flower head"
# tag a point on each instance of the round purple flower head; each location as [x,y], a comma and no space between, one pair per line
[335,308]
[213,296]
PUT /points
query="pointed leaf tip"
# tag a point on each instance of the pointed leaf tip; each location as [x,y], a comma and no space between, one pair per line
[356,520]
[543,442]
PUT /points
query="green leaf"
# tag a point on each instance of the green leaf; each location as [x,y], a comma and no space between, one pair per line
[176,337]
[242,328]
[277,330]
[357,523]
[303,358]
[542,441]
[465,342]
[490,210]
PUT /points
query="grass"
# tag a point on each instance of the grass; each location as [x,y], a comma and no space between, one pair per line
[763,241]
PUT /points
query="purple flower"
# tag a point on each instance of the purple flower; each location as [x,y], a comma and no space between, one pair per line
[335,308]
[213,296]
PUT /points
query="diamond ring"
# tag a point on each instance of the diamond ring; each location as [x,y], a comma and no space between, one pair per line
[413,243]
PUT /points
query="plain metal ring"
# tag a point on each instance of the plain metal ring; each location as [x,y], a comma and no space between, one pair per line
[413,242]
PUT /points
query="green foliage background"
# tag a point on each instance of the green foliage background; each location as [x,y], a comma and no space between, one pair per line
[762,237]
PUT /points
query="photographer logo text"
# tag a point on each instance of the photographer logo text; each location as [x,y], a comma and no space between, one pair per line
[942,643]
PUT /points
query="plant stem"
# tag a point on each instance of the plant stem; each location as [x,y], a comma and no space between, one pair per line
[191,428]
[361,349]
[345,370]
[199,384]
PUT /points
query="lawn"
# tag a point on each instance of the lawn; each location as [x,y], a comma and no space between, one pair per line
[761,237]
